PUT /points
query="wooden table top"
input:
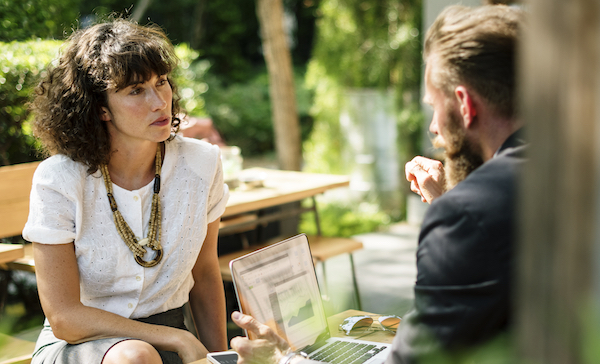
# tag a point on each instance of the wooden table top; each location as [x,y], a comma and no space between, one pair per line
[334,322]
[280,187]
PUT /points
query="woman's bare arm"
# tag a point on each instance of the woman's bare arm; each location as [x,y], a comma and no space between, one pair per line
[58,286]
[207,298]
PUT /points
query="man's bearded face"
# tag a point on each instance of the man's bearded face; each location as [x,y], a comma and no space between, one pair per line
[461,155]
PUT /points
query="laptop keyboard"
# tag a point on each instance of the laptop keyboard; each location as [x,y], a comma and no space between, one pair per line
[344,352]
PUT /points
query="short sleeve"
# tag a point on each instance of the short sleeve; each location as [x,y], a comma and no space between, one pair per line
[51,211]
[218,195]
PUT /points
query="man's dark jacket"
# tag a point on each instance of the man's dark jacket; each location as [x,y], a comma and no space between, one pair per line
[464,262]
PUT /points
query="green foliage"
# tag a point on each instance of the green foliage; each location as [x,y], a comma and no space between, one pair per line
[360,43]
[229,36]
[189,77]
[322,150]
[22,309]
[345,219]
[176,17]
[410,122]
[226,33]
[231,40]
[242,112]
[20,66]
[24,19]
[363,44]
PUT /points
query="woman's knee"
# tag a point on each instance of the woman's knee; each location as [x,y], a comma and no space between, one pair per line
[132,352]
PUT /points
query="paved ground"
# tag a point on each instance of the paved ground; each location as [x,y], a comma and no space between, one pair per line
[385,270]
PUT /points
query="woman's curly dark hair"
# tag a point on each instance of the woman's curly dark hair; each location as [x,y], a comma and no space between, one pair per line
[68,101]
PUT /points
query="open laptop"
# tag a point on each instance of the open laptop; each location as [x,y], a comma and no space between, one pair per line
[278,286]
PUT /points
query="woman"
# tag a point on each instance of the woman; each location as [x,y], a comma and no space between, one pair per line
[124,215]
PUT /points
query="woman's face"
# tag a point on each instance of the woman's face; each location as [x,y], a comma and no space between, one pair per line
[139,113]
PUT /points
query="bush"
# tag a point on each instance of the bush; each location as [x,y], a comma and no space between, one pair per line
[20,68]
[190,78]
[24,19]
[345,219]
[242,112]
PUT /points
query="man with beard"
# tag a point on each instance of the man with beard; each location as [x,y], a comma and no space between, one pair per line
[464,258]
[465,252]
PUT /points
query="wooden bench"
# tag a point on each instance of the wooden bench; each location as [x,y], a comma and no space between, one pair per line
[10,252]
[15,187]
[322,248]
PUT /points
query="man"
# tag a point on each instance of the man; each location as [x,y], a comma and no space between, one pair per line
[462,292]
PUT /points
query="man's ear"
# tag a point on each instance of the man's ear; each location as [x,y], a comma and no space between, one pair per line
[467,105]
[105,114]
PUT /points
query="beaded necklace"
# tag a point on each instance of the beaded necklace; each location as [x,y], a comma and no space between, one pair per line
[153,239]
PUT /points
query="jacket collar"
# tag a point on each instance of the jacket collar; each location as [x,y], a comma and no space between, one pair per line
[515,140]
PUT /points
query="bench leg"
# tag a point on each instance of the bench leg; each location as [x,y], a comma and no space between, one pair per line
[324,273]
[355,283]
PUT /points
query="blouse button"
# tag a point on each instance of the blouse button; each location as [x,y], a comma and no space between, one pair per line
[138,278]
[135,198]
[130,305]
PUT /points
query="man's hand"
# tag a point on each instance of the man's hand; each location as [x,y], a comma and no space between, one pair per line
[426,177]
[269,348]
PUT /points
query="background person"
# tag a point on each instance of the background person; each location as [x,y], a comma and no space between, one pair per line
[464,258]
[124,215]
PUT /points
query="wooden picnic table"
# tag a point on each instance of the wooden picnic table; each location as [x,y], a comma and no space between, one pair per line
[276,188]
[280,187]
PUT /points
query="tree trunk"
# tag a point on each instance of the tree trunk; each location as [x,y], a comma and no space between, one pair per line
[198,25]
[140,10]
[560,92]
[281,84]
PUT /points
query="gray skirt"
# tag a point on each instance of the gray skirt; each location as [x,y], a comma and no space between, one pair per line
[50,350]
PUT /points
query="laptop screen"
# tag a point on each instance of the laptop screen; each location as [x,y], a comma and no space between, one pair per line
[278,286]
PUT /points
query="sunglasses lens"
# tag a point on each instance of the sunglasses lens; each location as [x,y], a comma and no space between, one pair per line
[356,324]
[390,322]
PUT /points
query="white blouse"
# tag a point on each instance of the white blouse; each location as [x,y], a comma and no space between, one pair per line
[69,205]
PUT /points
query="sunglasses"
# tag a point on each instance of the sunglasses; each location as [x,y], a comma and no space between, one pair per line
[354,325]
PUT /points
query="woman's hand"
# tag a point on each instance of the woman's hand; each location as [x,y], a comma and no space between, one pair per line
[426,177]
[190,348]
[268,348]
